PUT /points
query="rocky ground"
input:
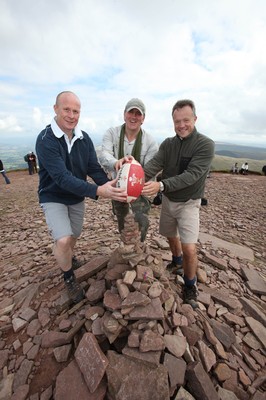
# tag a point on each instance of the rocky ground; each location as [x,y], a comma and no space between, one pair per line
[132,337]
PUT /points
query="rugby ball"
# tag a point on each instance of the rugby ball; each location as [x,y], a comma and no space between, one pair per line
[131,179]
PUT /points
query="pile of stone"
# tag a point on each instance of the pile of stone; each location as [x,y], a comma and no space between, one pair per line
[133,338]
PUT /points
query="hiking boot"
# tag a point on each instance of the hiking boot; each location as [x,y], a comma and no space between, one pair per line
[76,263]
[190,294]
[74,290]
[175,268]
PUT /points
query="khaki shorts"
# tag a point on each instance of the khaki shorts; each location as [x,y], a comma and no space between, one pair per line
[180,220]
[63,220]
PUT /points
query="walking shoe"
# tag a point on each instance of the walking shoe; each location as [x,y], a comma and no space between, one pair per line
[76,263]
[75,291]
[190,294]
[175,268]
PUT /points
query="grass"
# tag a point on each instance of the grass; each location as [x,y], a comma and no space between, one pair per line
[224,164]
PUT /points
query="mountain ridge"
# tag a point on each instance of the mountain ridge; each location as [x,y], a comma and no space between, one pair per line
[225,155]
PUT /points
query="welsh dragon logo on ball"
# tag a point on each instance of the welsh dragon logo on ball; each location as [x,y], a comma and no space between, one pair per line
[131,178]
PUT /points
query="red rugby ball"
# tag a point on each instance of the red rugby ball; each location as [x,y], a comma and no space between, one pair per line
[131,178]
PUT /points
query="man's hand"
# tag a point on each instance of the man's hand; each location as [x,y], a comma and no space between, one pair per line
[122,161]
[110,191]
[150,188]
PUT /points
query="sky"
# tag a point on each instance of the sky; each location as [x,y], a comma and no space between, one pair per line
[109,51]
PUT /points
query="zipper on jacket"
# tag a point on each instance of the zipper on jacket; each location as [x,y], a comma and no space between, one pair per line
[178,156]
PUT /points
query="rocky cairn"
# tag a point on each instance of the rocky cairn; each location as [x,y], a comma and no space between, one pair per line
[133,338]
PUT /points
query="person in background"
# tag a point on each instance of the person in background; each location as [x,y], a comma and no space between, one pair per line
[129,139]
[264,170]
[234,168]
[3,172]
[184,160]
[244,169]
[66,157]
[29,158]
[34,162]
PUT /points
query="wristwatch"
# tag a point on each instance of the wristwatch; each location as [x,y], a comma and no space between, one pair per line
[161,186]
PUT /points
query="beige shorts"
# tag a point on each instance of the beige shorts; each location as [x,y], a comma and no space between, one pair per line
[180,220]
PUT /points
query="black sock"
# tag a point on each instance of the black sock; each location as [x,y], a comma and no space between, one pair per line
[68,274]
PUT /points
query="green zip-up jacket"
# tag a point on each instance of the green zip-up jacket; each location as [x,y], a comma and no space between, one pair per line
[184,163]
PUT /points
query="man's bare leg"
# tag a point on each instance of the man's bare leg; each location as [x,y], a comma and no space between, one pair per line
[63,252]
[190,265]
[175,246]
[177,258]
[190,260]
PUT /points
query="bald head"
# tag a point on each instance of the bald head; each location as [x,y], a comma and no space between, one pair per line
[67,110]
[65,94]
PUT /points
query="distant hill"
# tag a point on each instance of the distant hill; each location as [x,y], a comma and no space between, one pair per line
[13,156]
[227,153]
[238,151]
[225,156]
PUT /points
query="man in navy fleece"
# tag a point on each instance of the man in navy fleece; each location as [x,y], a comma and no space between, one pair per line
[66,157]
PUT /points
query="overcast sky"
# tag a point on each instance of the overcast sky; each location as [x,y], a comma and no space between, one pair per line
[108,51]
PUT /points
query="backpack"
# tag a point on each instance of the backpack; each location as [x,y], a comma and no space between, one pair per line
[26,158]
[157,199]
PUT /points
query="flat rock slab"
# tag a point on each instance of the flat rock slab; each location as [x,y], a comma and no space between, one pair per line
[70,385]
[91,361]
[175,344]
[253,310]
[258,330]
[199,382]
[223,333]
[91,268]
[152,311]
[176,368]
[21,376]
[130,380]
[224,298]
[255,281]
[150,358]
[236,249]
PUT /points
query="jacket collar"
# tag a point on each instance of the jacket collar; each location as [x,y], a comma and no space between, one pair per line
[193,133]
[59,133]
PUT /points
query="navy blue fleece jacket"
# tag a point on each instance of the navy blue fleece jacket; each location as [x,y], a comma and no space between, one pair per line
[63,175]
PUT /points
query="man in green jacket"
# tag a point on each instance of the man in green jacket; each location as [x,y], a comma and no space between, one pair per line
[185,161]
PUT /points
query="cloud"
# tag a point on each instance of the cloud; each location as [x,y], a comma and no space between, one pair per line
[9,124]
[160,51]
